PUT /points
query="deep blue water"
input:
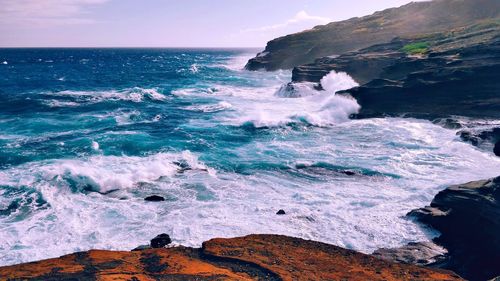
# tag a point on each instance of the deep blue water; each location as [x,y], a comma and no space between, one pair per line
[86,134]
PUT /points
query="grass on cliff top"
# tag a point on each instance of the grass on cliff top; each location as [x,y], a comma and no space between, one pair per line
[416,48]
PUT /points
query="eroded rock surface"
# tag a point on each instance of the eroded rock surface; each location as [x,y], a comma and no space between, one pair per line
[431,76]
[468,216]
[254,257]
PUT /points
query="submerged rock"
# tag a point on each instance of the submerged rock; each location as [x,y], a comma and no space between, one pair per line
[254,257]
[160,241]
[468,217]
[154,198]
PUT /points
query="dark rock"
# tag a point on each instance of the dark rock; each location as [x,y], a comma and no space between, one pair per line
[421,253]
[160,241]
[485,139]
[142,247]
[154,198]
[468,136]
[467,216]
[340,37]
[453,79]
[449,123]
[281,212]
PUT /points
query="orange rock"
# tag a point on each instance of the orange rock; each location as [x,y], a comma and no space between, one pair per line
[254,257]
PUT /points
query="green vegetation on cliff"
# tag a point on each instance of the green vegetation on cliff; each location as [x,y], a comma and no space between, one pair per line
[337,38]
[416,48]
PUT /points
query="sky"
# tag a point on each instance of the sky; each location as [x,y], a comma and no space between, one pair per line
[168,23]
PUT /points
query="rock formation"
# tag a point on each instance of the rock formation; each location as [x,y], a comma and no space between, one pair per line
[254,257]
[468,217]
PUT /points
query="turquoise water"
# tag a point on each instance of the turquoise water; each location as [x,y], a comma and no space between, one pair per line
[87,134]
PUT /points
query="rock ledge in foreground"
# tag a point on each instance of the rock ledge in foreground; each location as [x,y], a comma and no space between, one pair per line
[254,257]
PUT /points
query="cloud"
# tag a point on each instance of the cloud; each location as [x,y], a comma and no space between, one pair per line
[44,13]
[299,18]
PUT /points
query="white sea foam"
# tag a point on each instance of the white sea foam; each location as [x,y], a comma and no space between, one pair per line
[272,106]
[235,63]
[5,62]
[363,213]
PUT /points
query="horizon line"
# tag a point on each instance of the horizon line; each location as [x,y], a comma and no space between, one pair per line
[122,47]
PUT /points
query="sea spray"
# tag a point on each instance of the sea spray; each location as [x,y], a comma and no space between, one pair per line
[299,103]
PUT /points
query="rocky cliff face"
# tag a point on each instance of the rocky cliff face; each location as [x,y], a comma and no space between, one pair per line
[353,34]
[254,257]
[432,76]
[468,216]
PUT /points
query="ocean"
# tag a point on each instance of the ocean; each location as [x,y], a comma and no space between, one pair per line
[87,134]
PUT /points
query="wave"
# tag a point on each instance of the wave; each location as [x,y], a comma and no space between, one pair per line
[102,173]
[91,97]
[271,107]
[210,108]
[234,63]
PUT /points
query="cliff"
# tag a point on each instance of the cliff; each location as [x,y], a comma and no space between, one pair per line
[428,76]
[339,37]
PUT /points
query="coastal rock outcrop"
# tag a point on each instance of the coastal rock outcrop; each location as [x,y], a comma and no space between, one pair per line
[432,76]
[420,253]
[160,241]
[254,257]
[337,38]
[468,217]
[488,139]
[154,198]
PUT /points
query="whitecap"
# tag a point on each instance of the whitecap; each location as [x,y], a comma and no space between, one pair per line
[89,97]
[95,145]
[194,68]
[58,103]
[209,108]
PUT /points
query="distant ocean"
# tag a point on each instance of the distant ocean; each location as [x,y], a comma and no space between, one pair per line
[87,134]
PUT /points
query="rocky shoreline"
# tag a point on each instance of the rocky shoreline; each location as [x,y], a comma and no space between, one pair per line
[469,244]
[452,74]
[442,76]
